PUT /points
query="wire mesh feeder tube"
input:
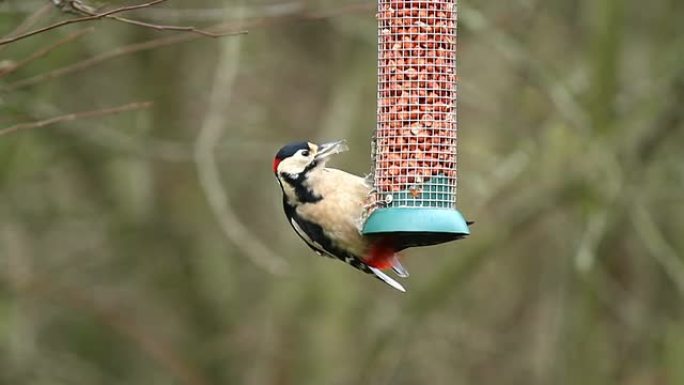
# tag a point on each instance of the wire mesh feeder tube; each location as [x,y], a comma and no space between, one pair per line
[414,146]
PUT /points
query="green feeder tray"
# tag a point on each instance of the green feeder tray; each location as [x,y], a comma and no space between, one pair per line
[412,226]
[418,219]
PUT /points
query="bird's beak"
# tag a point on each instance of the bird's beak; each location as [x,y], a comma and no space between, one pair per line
[326,150]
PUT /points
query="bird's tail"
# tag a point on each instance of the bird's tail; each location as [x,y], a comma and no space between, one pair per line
[368,269]
[383,255]
[387,279]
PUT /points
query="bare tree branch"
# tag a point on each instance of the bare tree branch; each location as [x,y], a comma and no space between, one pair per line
[211,131]
[79,7]
[45,50]
[79,20]
[226,28]
[76,116]
[217,14]
[29,21]
[120,51]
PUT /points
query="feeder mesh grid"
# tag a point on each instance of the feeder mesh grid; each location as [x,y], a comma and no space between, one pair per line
[414,146]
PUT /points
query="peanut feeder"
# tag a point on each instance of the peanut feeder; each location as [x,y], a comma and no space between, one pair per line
[414,146]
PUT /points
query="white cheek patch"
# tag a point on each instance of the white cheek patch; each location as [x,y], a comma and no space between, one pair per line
[292,166]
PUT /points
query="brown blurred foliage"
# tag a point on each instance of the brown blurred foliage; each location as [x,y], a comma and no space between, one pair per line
[146,245]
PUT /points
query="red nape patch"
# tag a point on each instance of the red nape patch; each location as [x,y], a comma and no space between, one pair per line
[276,162]
[380,254]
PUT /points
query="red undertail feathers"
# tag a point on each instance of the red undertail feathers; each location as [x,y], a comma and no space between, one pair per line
[381,254]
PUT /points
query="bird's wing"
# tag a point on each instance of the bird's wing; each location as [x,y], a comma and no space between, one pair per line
[315,246]
[315,237]
[304,230]
[325,248]
[338,212]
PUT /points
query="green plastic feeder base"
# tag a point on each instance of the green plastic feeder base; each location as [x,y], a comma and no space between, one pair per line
[416,226]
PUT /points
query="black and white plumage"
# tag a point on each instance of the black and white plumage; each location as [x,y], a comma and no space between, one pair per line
[324,206]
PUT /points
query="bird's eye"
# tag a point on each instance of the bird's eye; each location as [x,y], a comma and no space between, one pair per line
[305,153]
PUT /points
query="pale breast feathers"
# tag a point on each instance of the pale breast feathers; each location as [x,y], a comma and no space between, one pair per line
[339,211]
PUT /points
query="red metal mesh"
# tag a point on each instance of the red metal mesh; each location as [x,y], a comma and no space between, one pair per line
[415,140]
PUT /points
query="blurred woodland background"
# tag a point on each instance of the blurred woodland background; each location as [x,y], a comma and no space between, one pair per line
[144,243]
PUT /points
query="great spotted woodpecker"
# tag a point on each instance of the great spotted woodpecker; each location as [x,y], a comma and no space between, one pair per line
[324,206]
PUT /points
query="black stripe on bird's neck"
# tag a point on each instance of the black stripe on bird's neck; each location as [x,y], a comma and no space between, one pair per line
[303,193]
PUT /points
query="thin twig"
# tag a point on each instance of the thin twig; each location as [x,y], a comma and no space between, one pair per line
[211,131]
[167,27]
[120,51]
[158,27]
[46,50]
[76,116]
[29,21]
[217,14]
[140,145]
[79,20]
[228,28]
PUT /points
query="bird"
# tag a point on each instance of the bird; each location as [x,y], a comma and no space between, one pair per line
[324,206]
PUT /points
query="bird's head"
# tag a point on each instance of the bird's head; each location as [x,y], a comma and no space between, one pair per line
[299,158]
